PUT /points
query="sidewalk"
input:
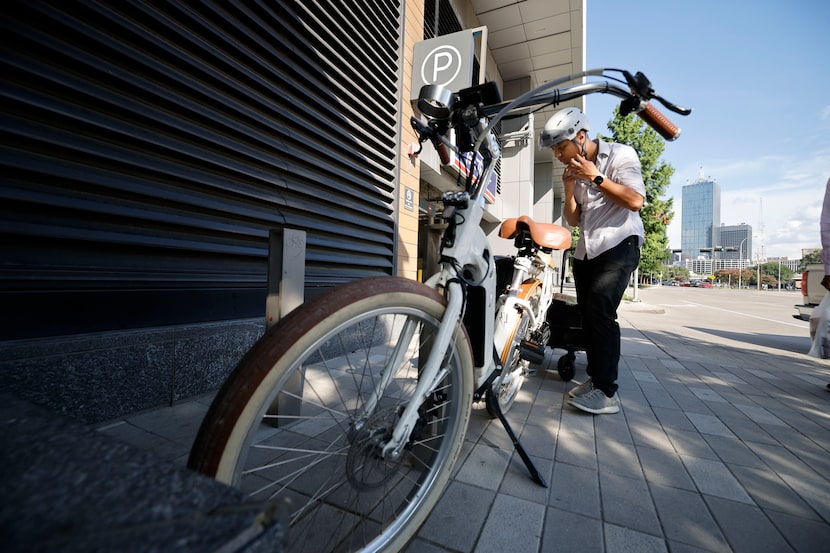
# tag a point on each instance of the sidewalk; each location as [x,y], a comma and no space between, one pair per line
[714,450]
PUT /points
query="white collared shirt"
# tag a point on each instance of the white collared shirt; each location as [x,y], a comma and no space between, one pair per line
[602,223]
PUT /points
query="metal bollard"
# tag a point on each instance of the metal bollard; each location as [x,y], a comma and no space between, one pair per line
[286,284]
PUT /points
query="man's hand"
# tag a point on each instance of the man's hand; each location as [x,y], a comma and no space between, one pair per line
[582,168]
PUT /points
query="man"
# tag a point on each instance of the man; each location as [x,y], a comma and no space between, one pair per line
[604,192]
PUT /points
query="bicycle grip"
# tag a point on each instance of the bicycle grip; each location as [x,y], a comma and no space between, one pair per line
[443,153]
[659,122]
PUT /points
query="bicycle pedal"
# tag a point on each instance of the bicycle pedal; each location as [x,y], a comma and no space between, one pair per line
[532,352]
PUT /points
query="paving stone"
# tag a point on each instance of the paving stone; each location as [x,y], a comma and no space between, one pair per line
[540,440]
[733,451]
[706,394]
[613,428]
[626,540]
[575,489]
[462,507]
[686,518]
[576,449]
[673,418]
[690,443]
[618,458]
[746,527]
[665,468]
[513,525]
[627,502]
[650,434]
[518,482]
[760,415]
[566,531]
[814,492]
[770,492]
[782,461]
[714,478]
[805,536]
[709,424]
[484,467]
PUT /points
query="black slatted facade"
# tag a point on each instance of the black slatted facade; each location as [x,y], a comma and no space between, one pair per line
[149,147]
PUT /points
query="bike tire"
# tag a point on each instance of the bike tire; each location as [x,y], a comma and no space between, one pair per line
[321,364]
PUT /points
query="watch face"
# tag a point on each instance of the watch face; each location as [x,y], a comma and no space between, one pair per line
[598,179]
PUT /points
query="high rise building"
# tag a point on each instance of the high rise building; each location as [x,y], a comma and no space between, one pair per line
[738,237]
[736,241]
[700,219]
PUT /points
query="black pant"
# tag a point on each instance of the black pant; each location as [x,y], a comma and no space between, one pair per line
[600,285]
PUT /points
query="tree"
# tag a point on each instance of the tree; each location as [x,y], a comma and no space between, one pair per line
[675,274]
[657,212]
[813,256]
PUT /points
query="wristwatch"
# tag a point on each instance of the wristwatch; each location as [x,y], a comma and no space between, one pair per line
[599,179]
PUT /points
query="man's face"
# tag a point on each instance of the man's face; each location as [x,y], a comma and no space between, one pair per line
[566,150]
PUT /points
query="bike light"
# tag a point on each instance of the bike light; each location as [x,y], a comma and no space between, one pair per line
[436,101]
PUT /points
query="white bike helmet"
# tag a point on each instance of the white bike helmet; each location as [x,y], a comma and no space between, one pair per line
[563,125]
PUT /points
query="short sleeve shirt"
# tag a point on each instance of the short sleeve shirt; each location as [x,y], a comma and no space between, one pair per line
[602,223]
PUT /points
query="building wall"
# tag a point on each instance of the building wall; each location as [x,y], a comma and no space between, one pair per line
[409,197]
[148,152]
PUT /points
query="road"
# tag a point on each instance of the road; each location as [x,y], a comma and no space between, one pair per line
[759,320]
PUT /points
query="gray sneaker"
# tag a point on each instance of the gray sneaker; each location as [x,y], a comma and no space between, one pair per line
[582,389]
[596,402]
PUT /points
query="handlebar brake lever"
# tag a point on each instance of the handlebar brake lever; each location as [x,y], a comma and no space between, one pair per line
[641,87]
[673,107]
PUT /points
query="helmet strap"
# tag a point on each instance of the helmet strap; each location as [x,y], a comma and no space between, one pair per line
[581,146]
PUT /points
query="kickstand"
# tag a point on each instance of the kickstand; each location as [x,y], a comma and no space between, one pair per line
[534,473]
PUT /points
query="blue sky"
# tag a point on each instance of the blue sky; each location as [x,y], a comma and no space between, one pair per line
[757,74]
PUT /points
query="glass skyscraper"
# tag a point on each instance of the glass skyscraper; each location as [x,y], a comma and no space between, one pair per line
[738,237]
[700,218]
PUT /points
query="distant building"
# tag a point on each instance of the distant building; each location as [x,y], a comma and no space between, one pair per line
[738,237]
[700,218]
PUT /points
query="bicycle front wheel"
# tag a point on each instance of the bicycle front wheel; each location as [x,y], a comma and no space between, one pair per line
[305,413]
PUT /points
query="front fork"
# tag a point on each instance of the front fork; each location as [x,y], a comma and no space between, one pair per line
[431,375]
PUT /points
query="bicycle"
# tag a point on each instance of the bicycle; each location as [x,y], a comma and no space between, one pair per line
[523,304]
[355,405]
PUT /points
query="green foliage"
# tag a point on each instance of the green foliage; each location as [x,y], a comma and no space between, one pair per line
[810,257]
[676,274]
[749,276]
[657,212]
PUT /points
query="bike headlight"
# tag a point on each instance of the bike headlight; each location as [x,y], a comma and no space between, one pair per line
[436,101]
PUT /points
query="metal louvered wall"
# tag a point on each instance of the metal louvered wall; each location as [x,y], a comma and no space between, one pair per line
[148,147]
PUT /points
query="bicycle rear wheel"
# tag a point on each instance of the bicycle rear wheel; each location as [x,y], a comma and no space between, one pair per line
[291,421]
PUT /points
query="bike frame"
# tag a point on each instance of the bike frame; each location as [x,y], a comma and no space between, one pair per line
[529,273]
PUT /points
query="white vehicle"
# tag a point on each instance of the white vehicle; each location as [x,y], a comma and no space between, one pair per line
[811,290]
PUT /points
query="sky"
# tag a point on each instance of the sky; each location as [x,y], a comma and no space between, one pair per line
[757,75]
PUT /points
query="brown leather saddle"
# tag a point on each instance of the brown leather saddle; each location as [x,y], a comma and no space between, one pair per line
[546,235]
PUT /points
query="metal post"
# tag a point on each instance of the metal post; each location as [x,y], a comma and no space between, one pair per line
[286,273]
[740,261]
[286,284]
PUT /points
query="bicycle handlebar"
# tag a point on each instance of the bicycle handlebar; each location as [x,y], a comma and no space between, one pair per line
[469,107]
[659,122]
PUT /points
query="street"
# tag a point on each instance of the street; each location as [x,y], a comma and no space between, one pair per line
[759,320]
